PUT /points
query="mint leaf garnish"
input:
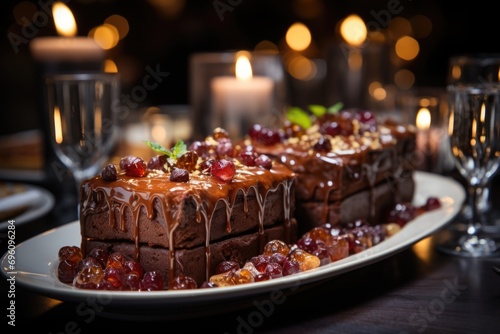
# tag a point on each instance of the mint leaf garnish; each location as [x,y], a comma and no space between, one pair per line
[174,153]
[335,108]
[317,109]
[300,117]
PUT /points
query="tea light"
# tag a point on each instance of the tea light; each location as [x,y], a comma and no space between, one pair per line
[423,122]
[240,101]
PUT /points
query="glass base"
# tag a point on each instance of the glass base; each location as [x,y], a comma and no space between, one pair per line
[471,246]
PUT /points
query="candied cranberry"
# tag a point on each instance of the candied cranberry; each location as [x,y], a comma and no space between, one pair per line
[260,262]
[264,135]
[277,258]
[131,281]
[158,163]
[206,166]
[73,253]
[273,269]
[152,281]
[262,277]
[109,173]
[331,128]
[133,267]
[183,283]
[179,175]
[66,271]
[247,158]
[226,266]
[207,285]
[224,148]
[114,276]
[224,170]
[402,214]
[323,145]
[100,254]
[432,203]
[188,160]
[200,147]
[290,267]
[264,161]
[133,166]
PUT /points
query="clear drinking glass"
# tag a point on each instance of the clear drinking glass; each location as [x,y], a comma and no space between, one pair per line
[83,119]
[474,135]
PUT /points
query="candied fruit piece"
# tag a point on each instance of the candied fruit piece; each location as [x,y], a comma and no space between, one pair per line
[70,253]
[225,266]
[290,267]
[223,170]
[264,161]
[188,160]
[152,281]
[338,248]
[133,267]
[227,278]
[207,285]
[274,270]
[306,260]
[133,166]
[251,268]
[131,281]
[244,276]
[66,271]
[89,276]
[323,145]
[392,228]
[276,246]
[116,260]
[114,276]
[109,173]
[183,283]
[220,133]
[260,262]
[224,149]
[158,162]
[100,254]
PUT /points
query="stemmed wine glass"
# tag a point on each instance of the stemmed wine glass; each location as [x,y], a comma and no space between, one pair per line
[474,135]
[82,119]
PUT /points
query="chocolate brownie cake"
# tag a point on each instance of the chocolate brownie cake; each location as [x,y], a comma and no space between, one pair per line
[348,166]
[189,209]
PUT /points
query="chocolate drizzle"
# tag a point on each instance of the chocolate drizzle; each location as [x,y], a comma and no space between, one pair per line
[155,196]
[355,163]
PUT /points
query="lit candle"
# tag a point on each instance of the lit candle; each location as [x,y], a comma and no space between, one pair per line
[67,53]
[240,101]
[423,122]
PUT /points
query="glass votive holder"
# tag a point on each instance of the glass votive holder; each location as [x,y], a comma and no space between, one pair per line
[427,109]
[167,124]
[234,90]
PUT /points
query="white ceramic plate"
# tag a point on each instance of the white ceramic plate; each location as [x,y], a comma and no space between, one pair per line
[44,203]
[36,263]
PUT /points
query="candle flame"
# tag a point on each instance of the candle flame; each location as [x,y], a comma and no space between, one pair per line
[64,20]
[423,119]
[353,30]
[243,68]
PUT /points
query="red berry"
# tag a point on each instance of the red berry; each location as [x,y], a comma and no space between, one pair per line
[183,283]
[152,281]
[158,163]
[133,166]
[264,161]
[109,173]
[224,170]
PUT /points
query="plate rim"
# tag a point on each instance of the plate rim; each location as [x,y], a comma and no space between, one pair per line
[34,212]
[168,298]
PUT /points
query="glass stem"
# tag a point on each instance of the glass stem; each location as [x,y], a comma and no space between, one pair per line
[474,226]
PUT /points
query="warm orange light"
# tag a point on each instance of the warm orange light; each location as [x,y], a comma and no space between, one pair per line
[298,37]
[106,35]
[407,48]
[243,68]
[64,20]
[423,120]
[57,125]
[110,66]
[353,30]
[302,68]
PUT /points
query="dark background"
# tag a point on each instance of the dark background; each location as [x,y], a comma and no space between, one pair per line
[169,37]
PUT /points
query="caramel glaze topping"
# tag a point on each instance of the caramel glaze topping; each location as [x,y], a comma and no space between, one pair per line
[354,162]
[134,193]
